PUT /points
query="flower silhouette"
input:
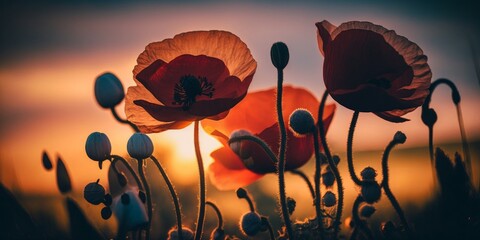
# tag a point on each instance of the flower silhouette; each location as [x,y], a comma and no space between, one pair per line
[368,68]
[256,114]
[193,76]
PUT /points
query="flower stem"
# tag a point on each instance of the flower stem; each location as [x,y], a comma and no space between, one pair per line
[305,178]
[219,214]
[351,130]
[466,150]
[201,171]
[318,168]
[331,163]
[386,186]
[281,156]
[258,141]
[359,223]
[149,197]
[115,158]
[173,194]
[269,227]
[124,121]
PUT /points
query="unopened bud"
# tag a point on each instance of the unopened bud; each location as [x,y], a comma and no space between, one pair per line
[279,55]
[400,137]
[371,191]
[367,211]
[130,216]
[239,147]
[98,146]
[108,90]
[187,234]
[329,199]
[94,193]
[251,223]
[218,234]
[302,122]
[328,178]
[368,174]
[139,146]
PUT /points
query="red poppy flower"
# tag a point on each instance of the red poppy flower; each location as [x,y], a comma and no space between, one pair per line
[368,68]
[193,76]
[256,114]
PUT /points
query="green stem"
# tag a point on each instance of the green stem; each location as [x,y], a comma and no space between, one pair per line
[173,194]
[281,157]
[386,186]
[219,214]
[124,121]
[305,178]
[258,141]
[331,163]
[201,171]
[115,158]
[149,197]
[351,130]
[318,168]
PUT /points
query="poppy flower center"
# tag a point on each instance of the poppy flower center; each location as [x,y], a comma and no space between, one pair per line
[381,82]
[188,88]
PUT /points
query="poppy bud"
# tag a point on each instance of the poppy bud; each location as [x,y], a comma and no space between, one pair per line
[429,116]
[251,223]
[302,122]
[218,234]
[98,146]
[367,211]
[388,228]
[371,191]
[108,90]
[94,193]
[187,234]
[368,174]
[106,213]
[47,163]
[241,193]
[400,137]
[132,215]
[329,199]
[336,159]
[139,146]
[108,199]
[328,178]
[239,147]
[291,204]
[279,55]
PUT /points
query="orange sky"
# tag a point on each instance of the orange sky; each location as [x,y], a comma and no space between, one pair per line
[47,102]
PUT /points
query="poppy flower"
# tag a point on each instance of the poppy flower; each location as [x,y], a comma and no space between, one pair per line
[256,114]
[368,68]
[190,77]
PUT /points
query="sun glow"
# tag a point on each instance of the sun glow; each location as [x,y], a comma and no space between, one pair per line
[183,165]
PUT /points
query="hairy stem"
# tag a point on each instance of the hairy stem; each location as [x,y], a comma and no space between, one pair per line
[149,197]
[281,156]
[219,214]
[386,186]
[318,168]
[201,171]
[331,163]
[351,168]
[258,141]
[173,194]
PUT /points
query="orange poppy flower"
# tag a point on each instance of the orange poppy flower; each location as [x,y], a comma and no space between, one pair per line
[256,114]
[190,77]
[368,68]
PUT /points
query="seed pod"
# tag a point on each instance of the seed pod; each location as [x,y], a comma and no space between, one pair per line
[367,211]
[106,213]
[187,234]
[368,174]
[328,178]
[371,191]
[329,199]
[279,55]
[218,234]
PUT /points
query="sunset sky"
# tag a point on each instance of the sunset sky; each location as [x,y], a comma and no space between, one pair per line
[51,54]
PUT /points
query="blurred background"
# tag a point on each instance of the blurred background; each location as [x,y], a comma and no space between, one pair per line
[51,53]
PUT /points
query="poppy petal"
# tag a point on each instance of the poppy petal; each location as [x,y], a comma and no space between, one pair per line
[324,30]
[227,179]
[221,45]
[227,158]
